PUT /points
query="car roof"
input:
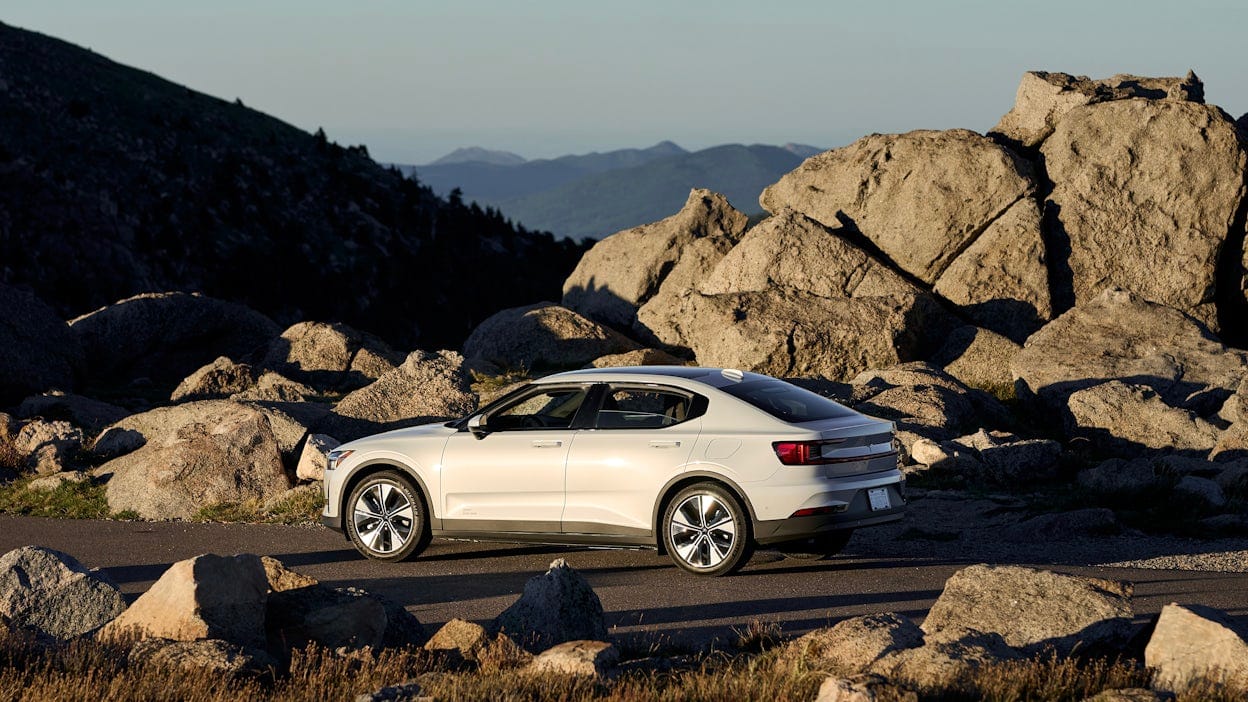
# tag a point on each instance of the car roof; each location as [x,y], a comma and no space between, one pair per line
[713,377]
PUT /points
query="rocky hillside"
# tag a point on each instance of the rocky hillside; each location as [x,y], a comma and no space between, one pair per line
[115,182]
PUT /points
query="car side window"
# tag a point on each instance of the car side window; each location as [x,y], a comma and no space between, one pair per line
[637,408]
[548,409]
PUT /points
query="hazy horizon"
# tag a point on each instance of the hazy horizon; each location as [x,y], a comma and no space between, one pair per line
[413,81]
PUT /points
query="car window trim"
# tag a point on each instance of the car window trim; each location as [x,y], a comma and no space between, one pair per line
[697,403]
[536,389]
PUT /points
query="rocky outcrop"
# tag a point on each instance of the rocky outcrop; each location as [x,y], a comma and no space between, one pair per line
[1120,335]
[556,607]
[273,387]
[424,388]
[1128,419]
[923,198]
[1043,99]
[853,645]
[978,357]
[1144,194]
[163,337]
[205,597]
[330,356]
[992,456]
[37,350]
[196,455]
[792,334]
[1034,609]
[1192,643]
[623,271]
[218,379]
[49,446]
[54,595]
[544,335]
[91,415]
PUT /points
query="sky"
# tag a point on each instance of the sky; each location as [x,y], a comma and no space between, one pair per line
[413,80]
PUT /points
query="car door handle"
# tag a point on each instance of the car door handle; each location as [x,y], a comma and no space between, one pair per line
[547,443]
[664,444]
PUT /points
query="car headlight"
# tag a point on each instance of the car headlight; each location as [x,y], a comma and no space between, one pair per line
[336,457]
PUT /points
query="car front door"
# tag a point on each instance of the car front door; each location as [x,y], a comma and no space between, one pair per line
[640,437]
[509,476]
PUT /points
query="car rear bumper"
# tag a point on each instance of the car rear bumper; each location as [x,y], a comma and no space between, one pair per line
[856,514]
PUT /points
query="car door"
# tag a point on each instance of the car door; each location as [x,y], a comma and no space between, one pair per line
[509,477]
[638,439]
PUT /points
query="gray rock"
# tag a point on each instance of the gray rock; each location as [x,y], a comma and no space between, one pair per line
[463,639]
[1203,489]
[853,645]
[925,400]
[91,415]
[1120,477]
[426,387]
[1035,609]
[216,380]
[197,454]
[165,336]
[1192,643]
[203,655]
[275,387]
[788,333]
[625,270]
[577,658]
[38,353]
[1010,460]
[1232,444]
[640,357]
[1063,526]
[979,358]
[280,578]
[49,447]
[50,482]
[867,687]
[330,356]
[1043,99]
[51,593]
[943,659]
[333,618]
[205,597]
[1145,192]
[556,606]
[313,459]
[1120,335]
[921,197]
[543,335]
[1129,419]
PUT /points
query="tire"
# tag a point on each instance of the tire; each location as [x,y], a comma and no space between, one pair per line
[386,517]
[816,548]
[706,531]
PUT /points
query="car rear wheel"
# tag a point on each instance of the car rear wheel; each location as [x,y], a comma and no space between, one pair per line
[386,517]
[816,548]
[706,530]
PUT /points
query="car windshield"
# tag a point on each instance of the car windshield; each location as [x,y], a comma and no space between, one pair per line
[787,402]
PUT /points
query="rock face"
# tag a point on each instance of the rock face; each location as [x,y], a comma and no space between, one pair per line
[166,336]
[945,657]
[1145,192]
[851,646]
[426,386]
[640,357]
[623,271]
[205,597]
[331,356]
[1127,419]
[978,357]
[1043,99]
[585,658]
[789,333]
[49,447]
[203,655]
[1120,335]
[1034,609]
[312,461]
[921,197]
[218,379]
[556,607]
[204,453]
[1193,642]
[544,335]
[55,595]
[91,415]
[37,350]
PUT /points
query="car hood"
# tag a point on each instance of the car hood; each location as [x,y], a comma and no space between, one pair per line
[433,430]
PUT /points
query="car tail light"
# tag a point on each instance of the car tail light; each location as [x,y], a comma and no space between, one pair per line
[802,453]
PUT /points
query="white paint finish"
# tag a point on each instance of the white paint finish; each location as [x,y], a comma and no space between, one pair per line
[720,449]
[508,475]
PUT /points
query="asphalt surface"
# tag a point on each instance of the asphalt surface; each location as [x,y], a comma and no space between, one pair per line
[646,599]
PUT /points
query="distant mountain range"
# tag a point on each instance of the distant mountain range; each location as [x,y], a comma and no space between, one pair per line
[597,194]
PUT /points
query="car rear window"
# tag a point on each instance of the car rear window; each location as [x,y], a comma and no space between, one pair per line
[787,402]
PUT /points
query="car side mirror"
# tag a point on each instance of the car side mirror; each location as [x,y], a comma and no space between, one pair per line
[476,425]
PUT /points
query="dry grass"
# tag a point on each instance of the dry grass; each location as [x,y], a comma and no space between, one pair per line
[300,507]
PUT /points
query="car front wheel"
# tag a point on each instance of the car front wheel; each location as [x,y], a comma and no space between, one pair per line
[817,548]
[385,517]
[706,530]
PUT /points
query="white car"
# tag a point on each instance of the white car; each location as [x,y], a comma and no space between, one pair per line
[702,463]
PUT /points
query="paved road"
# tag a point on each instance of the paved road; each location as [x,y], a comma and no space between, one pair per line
[645,597]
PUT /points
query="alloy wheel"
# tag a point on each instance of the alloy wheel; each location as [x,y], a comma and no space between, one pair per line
[384,517]
[702,530]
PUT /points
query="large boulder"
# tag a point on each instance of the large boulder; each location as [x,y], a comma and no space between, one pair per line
[1127,419]
[49,446]
[165,336]
[314,457]
[1192,643]
[924,401]
[54,595]
[921,197]
[460,638]
[1043,99]
[789,333]
[205,597]
[978,357]
[203,453]
[1121,335]
[424,388]
[37,350]
[330,617]
[91,415]
[556,607]
[853,645]
[214,656]
[1144,194]
[220,378]
[330,356]
[945,657]
[580,658]
[1035,609]
[543,335]
[164,423]
[623,271]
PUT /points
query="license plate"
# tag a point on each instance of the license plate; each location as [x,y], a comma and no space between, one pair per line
[879,499]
